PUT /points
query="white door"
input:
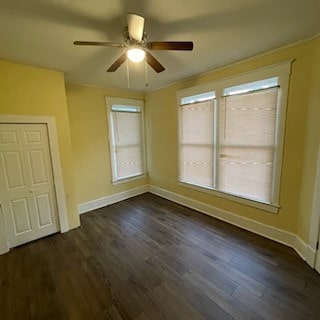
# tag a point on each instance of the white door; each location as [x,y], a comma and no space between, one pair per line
[27,193]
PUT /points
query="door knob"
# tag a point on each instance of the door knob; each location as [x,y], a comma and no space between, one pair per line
[31,190]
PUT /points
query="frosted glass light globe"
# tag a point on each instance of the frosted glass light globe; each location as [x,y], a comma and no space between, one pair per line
[136,55]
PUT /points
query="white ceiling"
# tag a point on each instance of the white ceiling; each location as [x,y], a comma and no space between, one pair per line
[41,33]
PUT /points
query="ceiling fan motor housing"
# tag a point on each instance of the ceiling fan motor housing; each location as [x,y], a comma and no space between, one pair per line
[131,42]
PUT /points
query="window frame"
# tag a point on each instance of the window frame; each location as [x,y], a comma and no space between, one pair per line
[282,71]
[110,101]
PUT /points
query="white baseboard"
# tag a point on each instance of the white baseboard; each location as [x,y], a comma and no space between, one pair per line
[287,238]
[105,201]
[278,235]
[305,251]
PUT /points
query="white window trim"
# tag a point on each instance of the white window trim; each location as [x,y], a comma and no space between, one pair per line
[229,196]
[282,71]
[129,102]
[129,178]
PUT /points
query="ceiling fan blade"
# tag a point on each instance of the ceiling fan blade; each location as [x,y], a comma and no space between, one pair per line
[95,43]
[135,26]
[154,63]
[170,45]
[118,63]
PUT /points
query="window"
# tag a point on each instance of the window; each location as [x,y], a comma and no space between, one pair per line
[126,136]
[231,136]
[196,143]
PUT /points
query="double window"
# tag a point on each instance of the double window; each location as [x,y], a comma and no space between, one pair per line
[231,136]
[126,138]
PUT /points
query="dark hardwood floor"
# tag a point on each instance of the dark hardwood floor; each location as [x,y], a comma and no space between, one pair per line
[147,258]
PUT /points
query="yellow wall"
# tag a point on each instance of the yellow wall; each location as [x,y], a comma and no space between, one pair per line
[90,143]
[312,140]
[162,136]
[26,90]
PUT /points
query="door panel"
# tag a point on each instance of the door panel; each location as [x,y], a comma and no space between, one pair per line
[37,166]
[32,137]
[44,210]
[8,137]
[26,186]
[12,169]
[21,216]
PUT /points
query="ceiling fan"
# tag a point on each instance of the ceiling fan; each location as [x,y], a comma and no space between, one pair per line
[135,41]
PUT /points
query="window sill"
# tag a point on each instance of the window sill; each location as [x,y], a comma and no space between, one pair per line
[248,202]
[128,179]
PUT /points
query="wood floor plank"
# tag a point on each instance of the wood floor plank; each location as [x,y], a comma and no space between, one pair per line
[74,302]
[129,257]
[151,238]
[267,275]
[152,305]
[236,275]
[267,311]
[203,230]
[193,260]
[177,304]
[312,288]
[157,220]
[196,261]
[134,281]
[202,261]
[122,298]
[194,296]
[225,301]
[45,302]
[112,313]
[14,293]
[288,306]
[202,303]
[203,227]
[142,316]
[147,258]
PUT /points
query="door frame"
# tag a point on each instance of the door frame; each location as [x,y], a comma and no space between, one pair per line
[315,214]
[56,170]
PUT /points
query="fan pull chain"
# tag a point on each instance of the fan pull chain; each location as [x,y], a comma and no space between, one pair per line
[146,72]
[128,73]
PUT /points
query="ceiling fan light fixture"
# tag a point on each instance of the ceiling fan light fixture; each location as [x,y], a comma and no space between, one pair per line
[136,55]
[136,45]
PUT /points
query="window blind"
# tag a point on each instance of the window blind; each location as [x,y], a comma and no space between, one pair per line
[196,143]
[247,143]
[127,130]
